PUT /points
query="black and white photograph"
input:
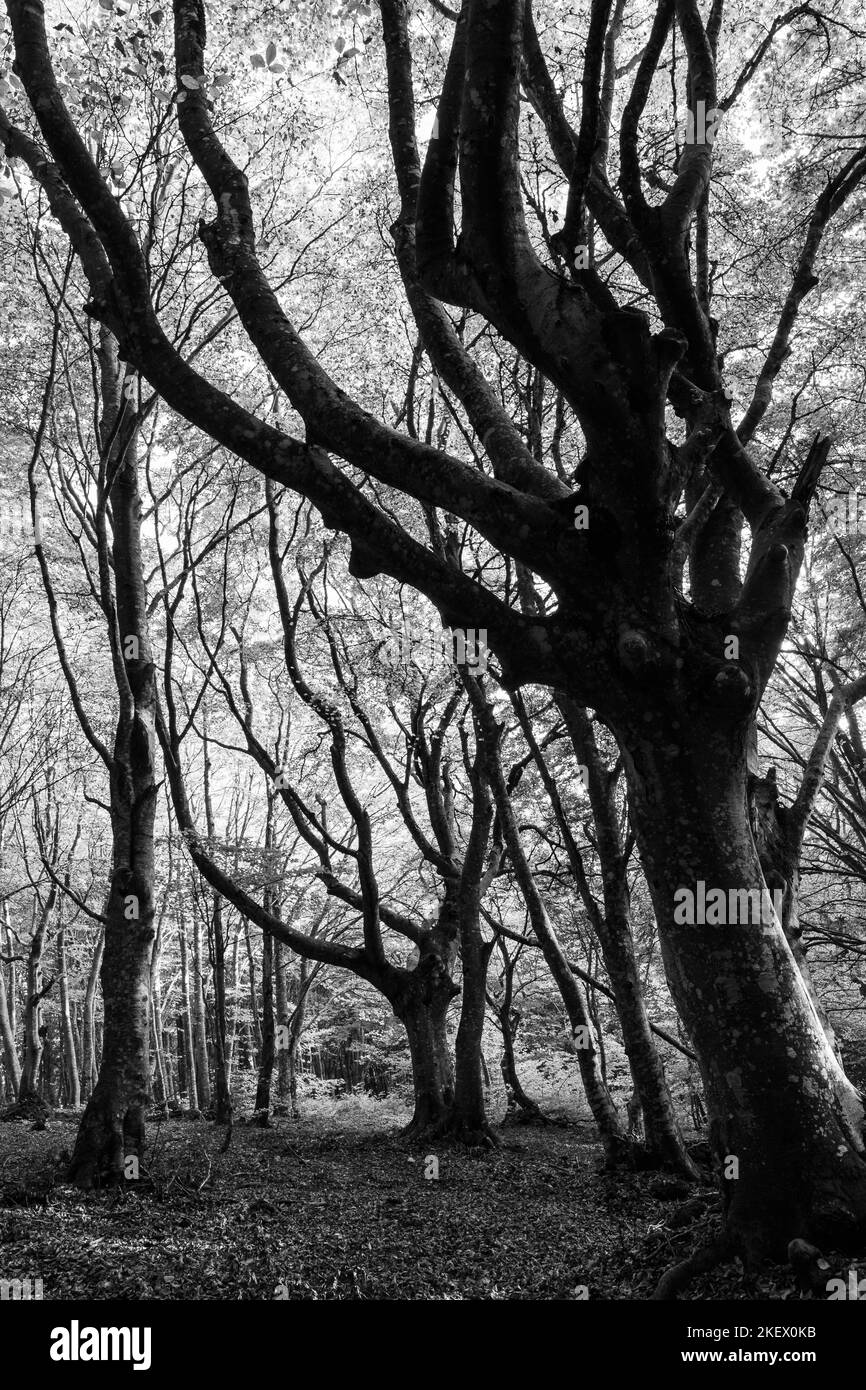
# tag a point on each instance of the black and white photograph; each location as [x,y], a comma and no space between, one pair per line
[432,679]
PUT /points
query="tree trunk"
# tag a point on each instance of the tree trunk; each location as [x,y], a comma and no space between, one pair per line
[223,1106]
[662,1137]
[266,1063]
[422,1008]
[113,1122]
[33,1035]
[202,1068]
[232,1033]
[7,1035]
[217,946]
[296,1028]
[468,1119]
[73,1084]
[188,1046]
[779,853]
[281,1003]
[160,1081]
[785,1122]
[509,1022]
[89,1061]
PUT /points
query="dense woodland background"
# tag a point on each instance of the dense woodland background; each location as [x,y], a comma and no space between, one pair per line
[321,774]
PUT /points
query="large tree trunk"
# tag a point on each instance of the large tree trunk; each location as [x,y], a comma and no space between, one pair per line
[785,1121]
[113,1122]
[468,1119]
[422,1007]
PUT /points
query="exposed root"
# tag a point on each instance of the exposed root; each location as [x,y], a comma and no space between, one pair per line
[522,1116]
[30,1108]
[707,1257]
[450,1129]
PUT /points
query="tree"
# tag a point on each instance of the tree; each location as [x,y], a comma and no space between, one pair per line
[676,671]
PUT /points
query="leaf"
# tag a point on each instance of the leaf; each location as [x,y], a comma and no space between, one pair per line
[277,67]
[257,60]
[349,53]
[191,83]
[222,79]
[156,16]
[106,4]
[340,44]
[181,96]
[270,53]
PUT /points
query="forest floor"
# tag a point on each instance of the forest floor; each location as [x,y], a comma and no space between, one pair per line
[306,1210]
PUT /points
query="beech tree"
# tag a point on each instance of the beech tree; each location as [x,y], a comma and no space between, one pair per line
[649,617]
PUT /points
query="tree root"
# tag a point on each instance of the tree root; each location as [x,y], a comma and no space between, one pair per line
[707,1257]
[522,1116]
[449,1129]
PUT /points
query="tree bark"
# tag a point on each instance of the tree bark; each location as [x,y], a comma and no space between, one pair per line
[202,1067]
[89,1059]
[281,1002]
[266,1063]
[785,1121]
[187,1041]
[7,1031]
[422,1007]
[33,1034]
[70,1059]
[113,1122]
